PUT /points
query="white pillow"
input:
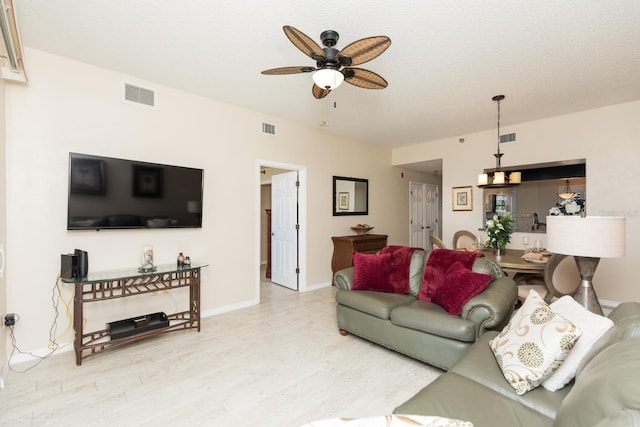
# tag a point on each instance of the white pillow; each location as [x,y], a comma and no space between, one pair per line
[533,344]
[593,328]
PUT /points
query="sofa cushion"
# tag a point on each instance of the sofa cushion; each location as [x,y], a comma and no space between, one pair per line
[593,328]
[378,304]
[459,286]
[371,272]
[431,318]
[455,396]
[607,391]
[533,344]
[479,365]
[416,271]
[438,263]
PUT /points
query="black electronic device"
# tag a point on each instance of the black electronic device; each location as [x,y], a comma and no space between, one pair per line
[111,193]
[83,263]
[68,266]
[137,325]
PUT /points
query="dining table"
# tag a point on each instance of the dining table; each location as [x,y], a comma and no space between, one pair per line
[512,263]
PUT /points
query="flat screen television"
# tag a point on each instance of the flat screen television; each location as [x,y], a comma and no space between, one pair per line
[106,192]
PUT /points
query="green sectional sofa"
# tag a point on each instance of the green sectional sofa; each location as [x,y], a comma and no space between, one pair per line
[604,393]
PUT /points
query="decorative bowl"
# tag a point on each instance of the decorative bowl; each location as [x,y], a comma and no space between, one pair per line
[361,229]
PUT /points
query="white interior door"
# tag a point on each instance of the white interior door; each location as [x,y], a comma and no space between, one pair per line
[432,202]
[419,234]
[424,214]
[284,229]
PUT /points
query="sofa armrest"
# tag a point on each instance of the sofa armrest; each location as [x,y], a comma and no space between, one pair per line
[343,279]
[492,308]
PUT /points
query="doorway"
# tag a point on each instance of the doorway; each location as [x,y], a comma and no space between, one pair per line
[294,247]
[424,214]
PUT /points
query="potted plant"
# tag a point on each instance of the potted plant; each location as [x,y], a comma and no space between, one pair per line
[499,229]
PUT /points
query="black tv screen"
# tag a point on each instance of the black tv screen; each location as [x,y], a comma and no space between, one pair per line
[106,192]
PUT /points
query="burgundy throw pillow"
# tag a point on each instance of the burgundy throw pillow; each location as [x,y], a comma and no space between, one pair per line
[371,272]
[437,266]
[458,287]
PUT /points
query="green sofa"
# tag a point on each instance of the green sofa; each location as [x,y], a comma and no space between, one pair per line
[605,392]
[420,329]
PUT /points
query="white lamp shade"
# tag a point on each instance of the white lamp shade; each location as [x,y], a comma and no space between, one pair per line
[515,177]
[328,78]
[498,178]
[591,236]
[483,179]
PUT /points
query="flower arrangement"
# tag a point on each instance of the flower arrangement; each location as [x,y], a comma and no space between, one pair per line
[499,229]
[567,207]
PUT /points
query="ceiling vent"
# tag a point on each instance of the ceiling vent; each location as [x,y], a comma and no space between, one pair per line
[139,95]
[507,138]
[268,128]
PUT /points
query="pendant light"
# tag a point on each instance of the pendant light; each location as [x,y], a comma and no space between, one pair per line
[567,193]
[498,178]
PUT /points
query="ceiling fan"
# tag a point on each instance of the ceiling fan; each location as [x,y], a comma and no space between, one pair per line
[334,66]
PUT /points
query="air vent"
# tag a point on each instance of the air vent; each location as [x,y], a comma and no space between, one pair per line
[268,128]
[139,95]
[508,137]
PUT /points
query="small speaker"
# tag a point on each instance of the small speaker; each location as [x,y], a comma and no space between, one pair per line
[83,263]
[68,266]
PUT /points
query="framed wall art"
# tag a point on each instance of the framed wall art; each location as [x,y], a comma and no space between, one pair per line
[462,198]
[343,201]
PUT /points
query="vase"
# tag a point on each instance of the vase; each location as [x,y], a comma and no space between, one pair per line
[499,251]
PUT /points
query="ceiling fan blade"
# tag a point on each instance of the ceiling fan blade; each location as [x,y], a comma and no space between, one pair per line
[288,70]
[319,92]
[304,43]
[364,78]
[363,50]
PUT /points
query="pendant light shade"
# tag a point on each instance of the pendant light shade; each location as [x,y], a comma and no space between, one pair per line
[499,178]
[567,193]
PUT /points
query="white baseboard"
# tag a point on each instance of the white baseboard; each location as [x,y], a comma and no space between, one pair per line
[228,308]
[317,286]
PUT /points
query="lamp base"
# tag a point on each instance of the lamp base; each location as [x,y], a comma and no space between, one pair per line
[585,295]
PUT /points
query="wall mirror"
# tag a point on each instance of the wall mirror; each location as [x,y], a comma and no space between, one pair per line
[530,202]
[350,196]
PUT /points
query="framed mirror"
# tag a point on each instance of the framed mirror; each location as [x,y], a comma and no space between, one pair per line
[350,196]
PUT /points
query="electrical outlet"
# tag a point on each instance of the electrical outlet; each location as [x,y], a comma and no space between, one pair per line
[9,319]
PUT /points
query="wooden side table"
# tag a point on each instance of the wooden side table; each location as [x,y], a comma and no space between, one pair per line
[344,246]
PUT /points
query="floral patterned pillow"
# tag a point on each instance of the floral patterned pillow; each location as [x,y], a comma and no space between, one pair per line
[533,344]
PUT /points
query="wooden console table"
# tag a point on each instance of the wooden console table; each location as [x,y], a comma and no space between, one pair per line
[344,246]
[126,283]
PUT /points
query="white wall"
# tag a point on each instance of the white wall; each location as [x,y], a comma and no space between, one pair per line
[4,336]
[70,106]
[608,138]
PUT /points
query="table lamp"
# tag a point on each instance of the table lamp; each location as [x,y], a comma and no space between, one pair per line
[587,239]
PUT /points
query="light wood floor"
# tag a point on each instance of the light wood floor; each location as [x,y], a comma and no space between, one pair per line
[281,363]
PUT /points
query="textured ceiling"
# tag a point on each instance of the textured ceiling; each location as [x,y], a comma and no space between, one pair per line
[447,58]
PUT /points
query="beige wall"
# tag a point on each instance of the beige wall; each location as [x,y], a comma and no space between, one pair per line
[608,138]
[70,106]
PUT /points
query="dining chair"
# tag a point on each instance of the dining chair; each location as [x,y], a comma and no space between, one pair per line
[436,243]
[560,277]
[462,239]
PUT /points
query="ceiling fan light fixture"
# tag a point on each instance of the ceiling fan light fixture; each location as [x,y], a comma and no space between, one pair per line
[328,78]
